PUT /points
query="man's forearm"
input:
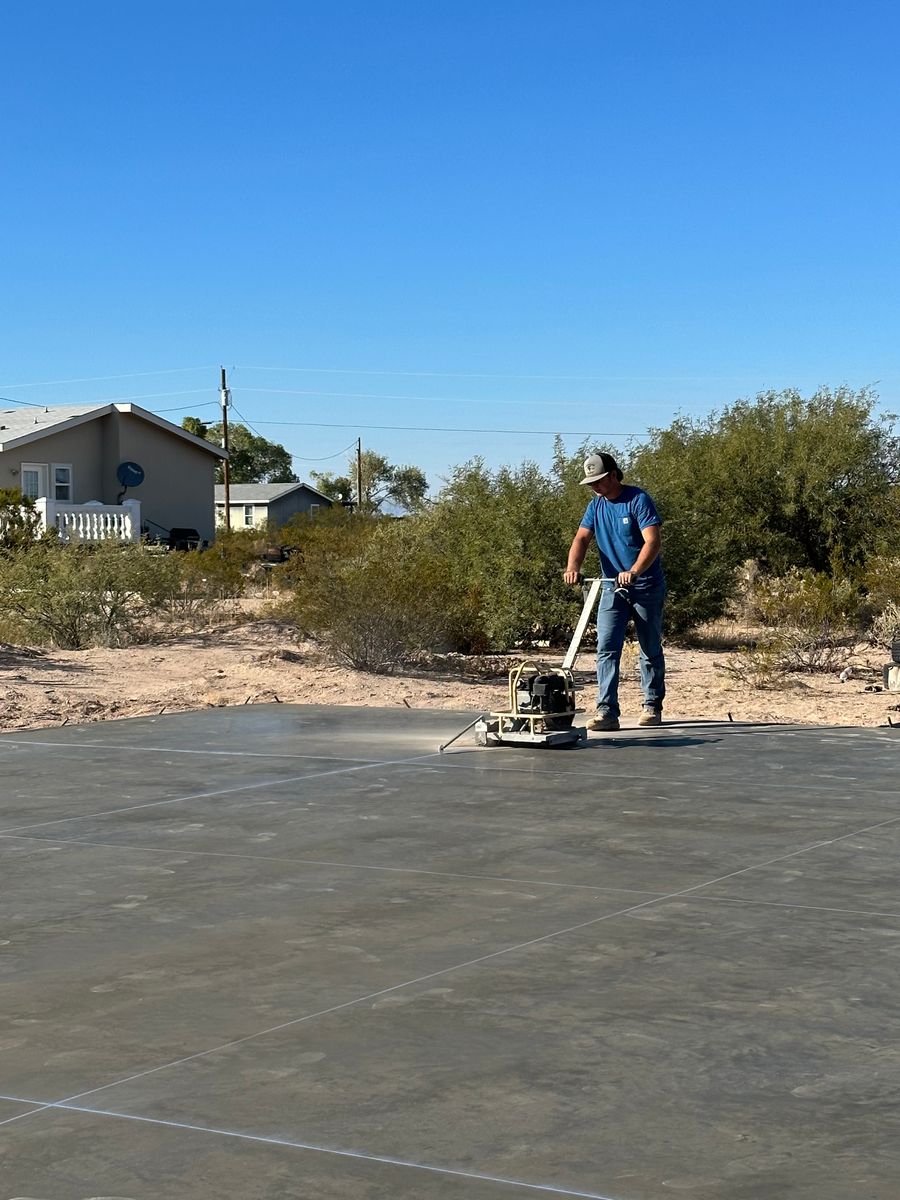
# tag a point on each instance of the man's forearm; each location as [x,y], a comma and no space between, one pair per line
[645,559]
[577,551]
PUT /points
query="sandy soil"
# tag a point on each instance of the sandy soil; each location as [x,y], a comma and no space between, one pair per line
[259,663]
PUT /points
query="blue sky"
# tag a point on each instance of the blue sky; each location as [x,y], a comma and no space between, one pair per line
[505,215]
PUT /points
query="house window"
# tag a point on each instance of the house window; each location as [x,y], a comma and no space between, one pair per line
[62,483]
[313,509]
[248,514]
[34,480]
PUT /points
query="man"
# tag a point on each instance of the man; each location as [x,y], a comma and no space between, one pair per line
[625,525]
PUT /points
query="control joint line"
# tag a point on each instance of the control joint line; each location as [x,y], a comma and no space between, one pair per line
[121,747]
[444,760]
[179,852]
[472,962]
[244,787]
[290,1143]
[597,888]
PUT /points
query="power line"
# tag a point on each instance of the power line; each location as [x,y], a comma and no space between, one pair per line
[29,403]
[101,378]
[324,457]
[294,457]
[485,375]
[353,425]
[419,399]
[152,396]
[244,419]
[181,407]
[119,400]
[447,429]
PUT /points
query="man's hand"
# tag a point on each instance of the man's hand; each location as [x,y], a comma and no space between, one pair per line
[626,578]
[571,576]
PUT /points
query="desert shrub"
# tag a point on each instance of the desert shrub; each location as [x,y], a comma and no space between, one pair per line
[788,481]
[885,628]
[186,589]
[107,594]
[814,615]
[505,535]
[880,582]
[762,665]
[803,599]
[76,596]
[372,591]
[809,618]
[779,653]
[20,525]
[791,481]
[237,551]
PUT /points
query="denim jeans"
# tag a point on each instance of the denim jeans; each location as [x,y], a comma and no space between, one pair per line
[613,614]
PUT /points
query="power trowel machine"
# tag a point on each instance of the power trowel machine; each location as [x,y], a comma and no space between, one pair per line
[541,706]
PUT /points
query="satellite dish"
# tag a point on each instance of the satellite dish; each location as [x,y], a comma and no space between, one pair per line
[130,474]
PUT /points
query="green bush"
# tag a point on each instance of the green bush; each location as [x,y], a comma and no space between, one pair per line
[787,481]
[812,619]
[106,594]
[804,599]
[880,580]
[505,536]
[20,525]
[885,628]
[372,591]
[76,596]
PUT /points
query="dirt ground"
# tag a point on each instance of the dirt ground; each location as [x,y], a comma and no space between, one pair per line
[259,663]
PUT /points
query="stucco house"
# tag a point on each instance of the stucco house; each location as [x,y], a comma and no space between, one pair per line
[253,505]
[67,457]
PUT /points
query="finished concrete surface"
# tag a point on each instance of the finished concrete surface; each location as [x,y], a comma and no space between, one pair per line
[293,952]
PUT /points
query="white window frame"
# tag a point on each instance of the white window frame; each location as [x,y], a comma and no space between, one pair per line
[43,473]
[69,499]
[313,509]
[251,512]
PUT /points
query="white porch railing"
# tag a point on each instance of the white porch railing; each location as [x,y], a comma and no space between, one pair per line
[92,522]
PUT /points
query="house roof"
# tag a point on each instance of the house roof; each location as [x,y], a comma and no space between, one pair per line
[263,493]
[20,426]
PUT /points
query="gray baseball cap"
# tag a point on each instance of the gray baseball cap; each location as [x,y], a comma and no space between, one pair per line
[597,466]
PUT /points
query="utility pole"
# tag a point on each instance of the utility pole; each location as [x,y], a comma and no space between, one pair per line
[226,475]
[359,497]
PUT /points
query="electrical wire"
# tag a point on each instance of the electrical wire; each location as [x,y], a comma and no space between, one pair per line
[294,457]
[29,403]
[350,425]
[485,375]
[153,396]
[324,457]
[418,399]
[101,378]
[180,408]
[448,429]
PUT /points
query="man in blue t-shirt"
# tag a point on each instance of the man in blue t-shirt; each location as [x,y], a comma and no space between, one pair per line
[625,525]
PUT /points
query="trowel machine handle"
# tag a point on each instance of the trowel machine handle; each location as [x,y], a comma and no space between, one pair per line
[586,580]
[590,590]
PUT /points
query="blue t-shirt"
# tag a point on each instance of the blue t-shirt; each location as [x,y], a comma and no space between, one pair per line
[616,526]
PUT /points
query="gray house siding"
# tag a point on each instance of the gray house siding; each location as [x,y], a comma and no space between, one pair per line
[179,477]
[262,503]
[81,448]
[285,507]
[179,473]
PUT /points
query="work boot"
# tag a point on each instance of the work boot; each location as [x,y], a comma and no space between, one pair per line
[603,722]
[650,716]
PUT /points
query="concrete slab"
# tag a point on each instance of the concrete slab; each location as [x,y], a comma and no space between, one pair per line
[11,1110]
[659,965]
[70,1155]
[639,1054]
